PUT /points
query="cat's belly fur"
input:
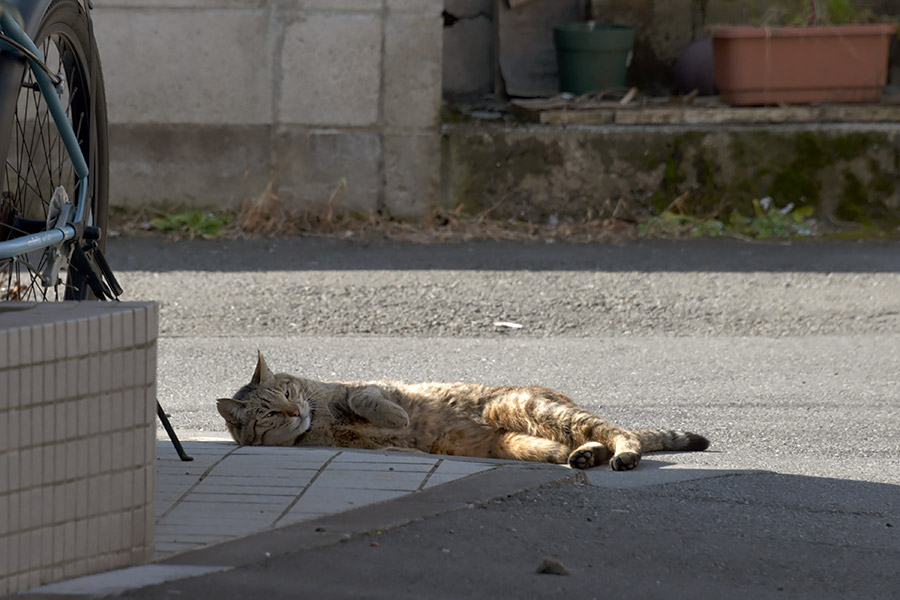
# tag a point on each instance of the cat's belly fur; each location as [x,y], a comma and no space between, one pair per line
[434,436]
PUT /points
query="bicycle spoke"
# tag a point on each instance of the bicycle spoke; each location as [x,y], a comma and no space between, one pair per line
[38,161]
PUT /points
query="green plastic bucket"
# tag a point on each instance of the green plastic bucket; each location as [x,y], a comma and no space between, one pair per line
[592,56]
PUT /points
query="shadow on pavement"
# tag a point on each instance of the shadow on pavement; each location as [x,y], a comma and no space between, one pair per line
[300,254]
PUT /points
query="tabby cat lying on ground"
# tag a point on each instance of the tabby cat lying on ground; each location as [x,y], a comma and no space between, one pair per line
[466,419]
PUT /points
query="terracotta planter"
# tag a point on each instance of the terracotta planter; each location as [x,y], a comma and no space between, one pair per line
[801,65]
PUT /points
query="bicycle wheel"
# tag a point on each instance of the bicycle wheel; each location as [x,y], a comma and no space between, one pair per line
[37,163]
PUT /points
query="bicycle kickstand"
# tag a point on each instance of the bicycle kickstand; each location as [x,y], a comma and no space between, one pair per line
[175,442]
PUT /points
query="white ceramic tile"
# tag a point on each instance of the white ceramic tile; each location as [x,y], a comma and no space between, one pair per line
[95,374]
[23,346]
[128,367]
[84,415]
[116,373]
[46,547]
[106,334]
[12,434]
[23,422]
[81,375]
[68,541]
[59,461]
[60,376]
[14,389]
[50,342]
[140,367]
[13,468]
[93,335]
[25,386]
[127,409]
[105,374]
[81,499]
[127,327]
[70,507]
[71,339]
[81,538]
[48,422]
[140,327]
[37,426]
[36,376]
[4,517]
[37,344]
[60,502]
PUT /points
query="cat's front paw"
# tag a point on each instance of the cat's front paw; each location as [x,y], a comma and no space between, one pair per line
[625,461]
[395,419]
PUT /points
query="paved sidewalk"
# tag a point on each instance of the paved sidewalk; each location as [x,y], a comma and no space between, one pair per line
[226,507]
[228,491]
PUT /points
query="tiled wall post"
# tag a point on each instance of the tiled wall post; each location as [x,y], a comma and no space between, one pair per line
[77,439]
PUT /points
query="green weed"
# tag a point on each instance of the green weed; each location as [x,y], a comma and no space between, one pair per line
[766,222]
[193,223]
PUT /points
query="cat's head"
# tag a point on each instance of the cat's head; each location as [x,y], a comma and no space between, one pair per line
[271,410]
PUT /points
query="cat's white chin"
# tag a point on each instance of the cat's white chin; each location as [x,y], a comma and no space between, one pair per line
[300,425]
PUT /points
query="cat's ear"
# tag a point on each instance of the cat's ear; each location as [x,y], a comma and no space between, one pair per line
[230,410]
[262,373]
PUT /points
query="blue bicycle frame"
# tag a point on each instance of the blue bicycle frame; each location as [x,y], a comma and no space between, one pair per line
[64,231]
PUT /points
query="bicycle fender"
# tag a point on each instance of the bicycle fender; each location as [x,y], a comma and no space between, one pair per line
[11,67]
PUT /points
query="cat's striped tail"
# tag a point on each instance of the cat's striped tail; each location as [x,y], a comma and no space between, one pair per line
[661,440]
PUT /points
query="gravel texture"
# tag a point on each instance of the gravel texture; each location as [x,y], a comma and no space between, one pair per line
[315,287]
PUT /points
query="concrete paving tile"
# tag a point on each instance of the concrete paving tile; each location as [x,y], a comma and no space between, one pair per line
[386,457]
[226,499]
[373,480]
[298,453]
[358,466]
[247,488]
[188,515]
[461,467]
[196,449]
[332,500]
[244,465]
[293,480]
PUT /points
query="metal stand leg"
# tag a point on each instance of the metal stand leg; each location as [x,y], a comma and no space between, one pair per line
[165,421]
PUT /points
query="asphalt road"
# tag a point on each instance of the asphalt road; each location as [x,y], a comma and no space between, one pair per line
[786,356]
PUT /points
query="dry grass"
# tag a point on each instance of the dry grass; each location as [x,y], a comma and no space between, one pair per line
[265,216]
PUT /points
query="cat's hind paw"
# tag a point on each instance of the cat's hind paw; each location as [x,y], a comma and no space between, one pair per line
[589,455]
[625,461]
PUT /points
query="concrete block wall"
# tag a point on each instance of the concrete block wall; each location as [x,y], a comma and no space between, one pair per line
[77,439]
[317,102]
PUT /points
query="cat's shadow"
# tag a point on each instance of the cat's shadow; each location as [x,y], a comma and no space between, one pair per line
[655,471]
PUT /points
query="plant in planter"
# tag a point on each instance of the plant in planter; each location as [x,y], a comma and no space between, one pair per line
[816,51]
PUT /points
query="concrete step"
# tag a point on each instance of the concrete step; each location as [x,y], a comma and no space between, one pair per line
[548,159]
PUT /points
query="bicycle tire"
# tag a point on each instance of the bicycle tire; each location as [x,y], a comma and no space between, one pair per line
[35,159]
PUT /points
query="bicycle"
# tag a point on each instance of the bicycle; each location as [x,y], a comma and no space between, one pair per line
[54,200]
[53,135]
